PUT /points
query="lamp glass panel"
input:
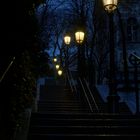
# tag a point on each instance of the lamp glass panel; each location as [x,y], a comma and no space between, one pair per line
[57,66]
[110,5]
[55,59]
[60,72]
[67,39]
[79,36]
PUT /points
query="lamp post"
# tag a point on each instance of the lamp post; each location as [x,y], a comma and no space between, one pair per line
[67,40]
[113,98]
[79,36]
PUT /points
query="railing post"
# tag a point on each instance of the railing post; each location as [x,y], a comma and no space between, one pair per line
[135,61]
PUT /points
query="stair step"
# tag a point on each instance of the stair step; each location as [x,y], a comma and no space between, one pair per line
[88,122]
[58,101]
[62,109]
[84,115]
[65,111]
[62,116]
[58,104]
[70,136]
[85,129]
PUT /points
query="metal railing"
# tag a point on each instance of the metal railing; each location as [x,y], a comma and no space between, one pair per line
[72,82]
[86,96]
[136,56]
[89,96]
[7,69]
[93,99]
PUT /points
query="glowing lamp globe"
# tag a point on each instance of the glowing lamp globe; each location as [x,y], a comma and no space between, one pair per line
[79,36]
[55,59]
[57,66]
[67,40]
[60,72]
[110,5]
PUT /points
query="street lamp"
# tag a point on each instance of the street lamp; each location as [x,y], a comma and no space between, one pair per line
[67,39]
[79,37]
[55,59]
[110,5]
[113,98]
[57,66]
[60,72]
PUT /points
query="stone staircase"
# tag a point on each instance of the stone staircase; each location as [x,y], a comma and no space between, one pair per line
[78,125]
[62,116]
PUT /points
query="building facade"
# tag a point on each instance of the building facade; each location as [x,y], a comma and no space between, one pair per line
[126,35]
[130,14]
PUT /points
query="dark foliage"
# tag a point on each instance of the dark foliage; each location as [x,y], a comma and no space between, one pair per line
[20,40]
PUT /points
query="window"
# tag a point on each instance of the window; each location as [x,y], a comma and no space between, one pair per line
[132,27]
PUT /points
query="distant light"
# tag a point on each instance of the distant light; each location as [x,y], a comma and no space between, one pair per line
[57,66]
[110,5]
[79,36]
[60,72]
[67,39]
[55,59]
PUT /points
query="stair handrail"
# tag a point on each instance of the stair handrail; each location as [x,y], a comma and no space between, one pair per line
[73,82]
[97,108]
[136,56]
[134,59]
[90,106]
[70,83]
[7,69]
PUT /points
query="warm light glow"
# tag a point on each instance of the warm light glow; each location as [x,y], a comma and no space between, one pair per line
[110,5]
[55,59]
[57,66]
[79,36]
[60,72]
[67,40]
